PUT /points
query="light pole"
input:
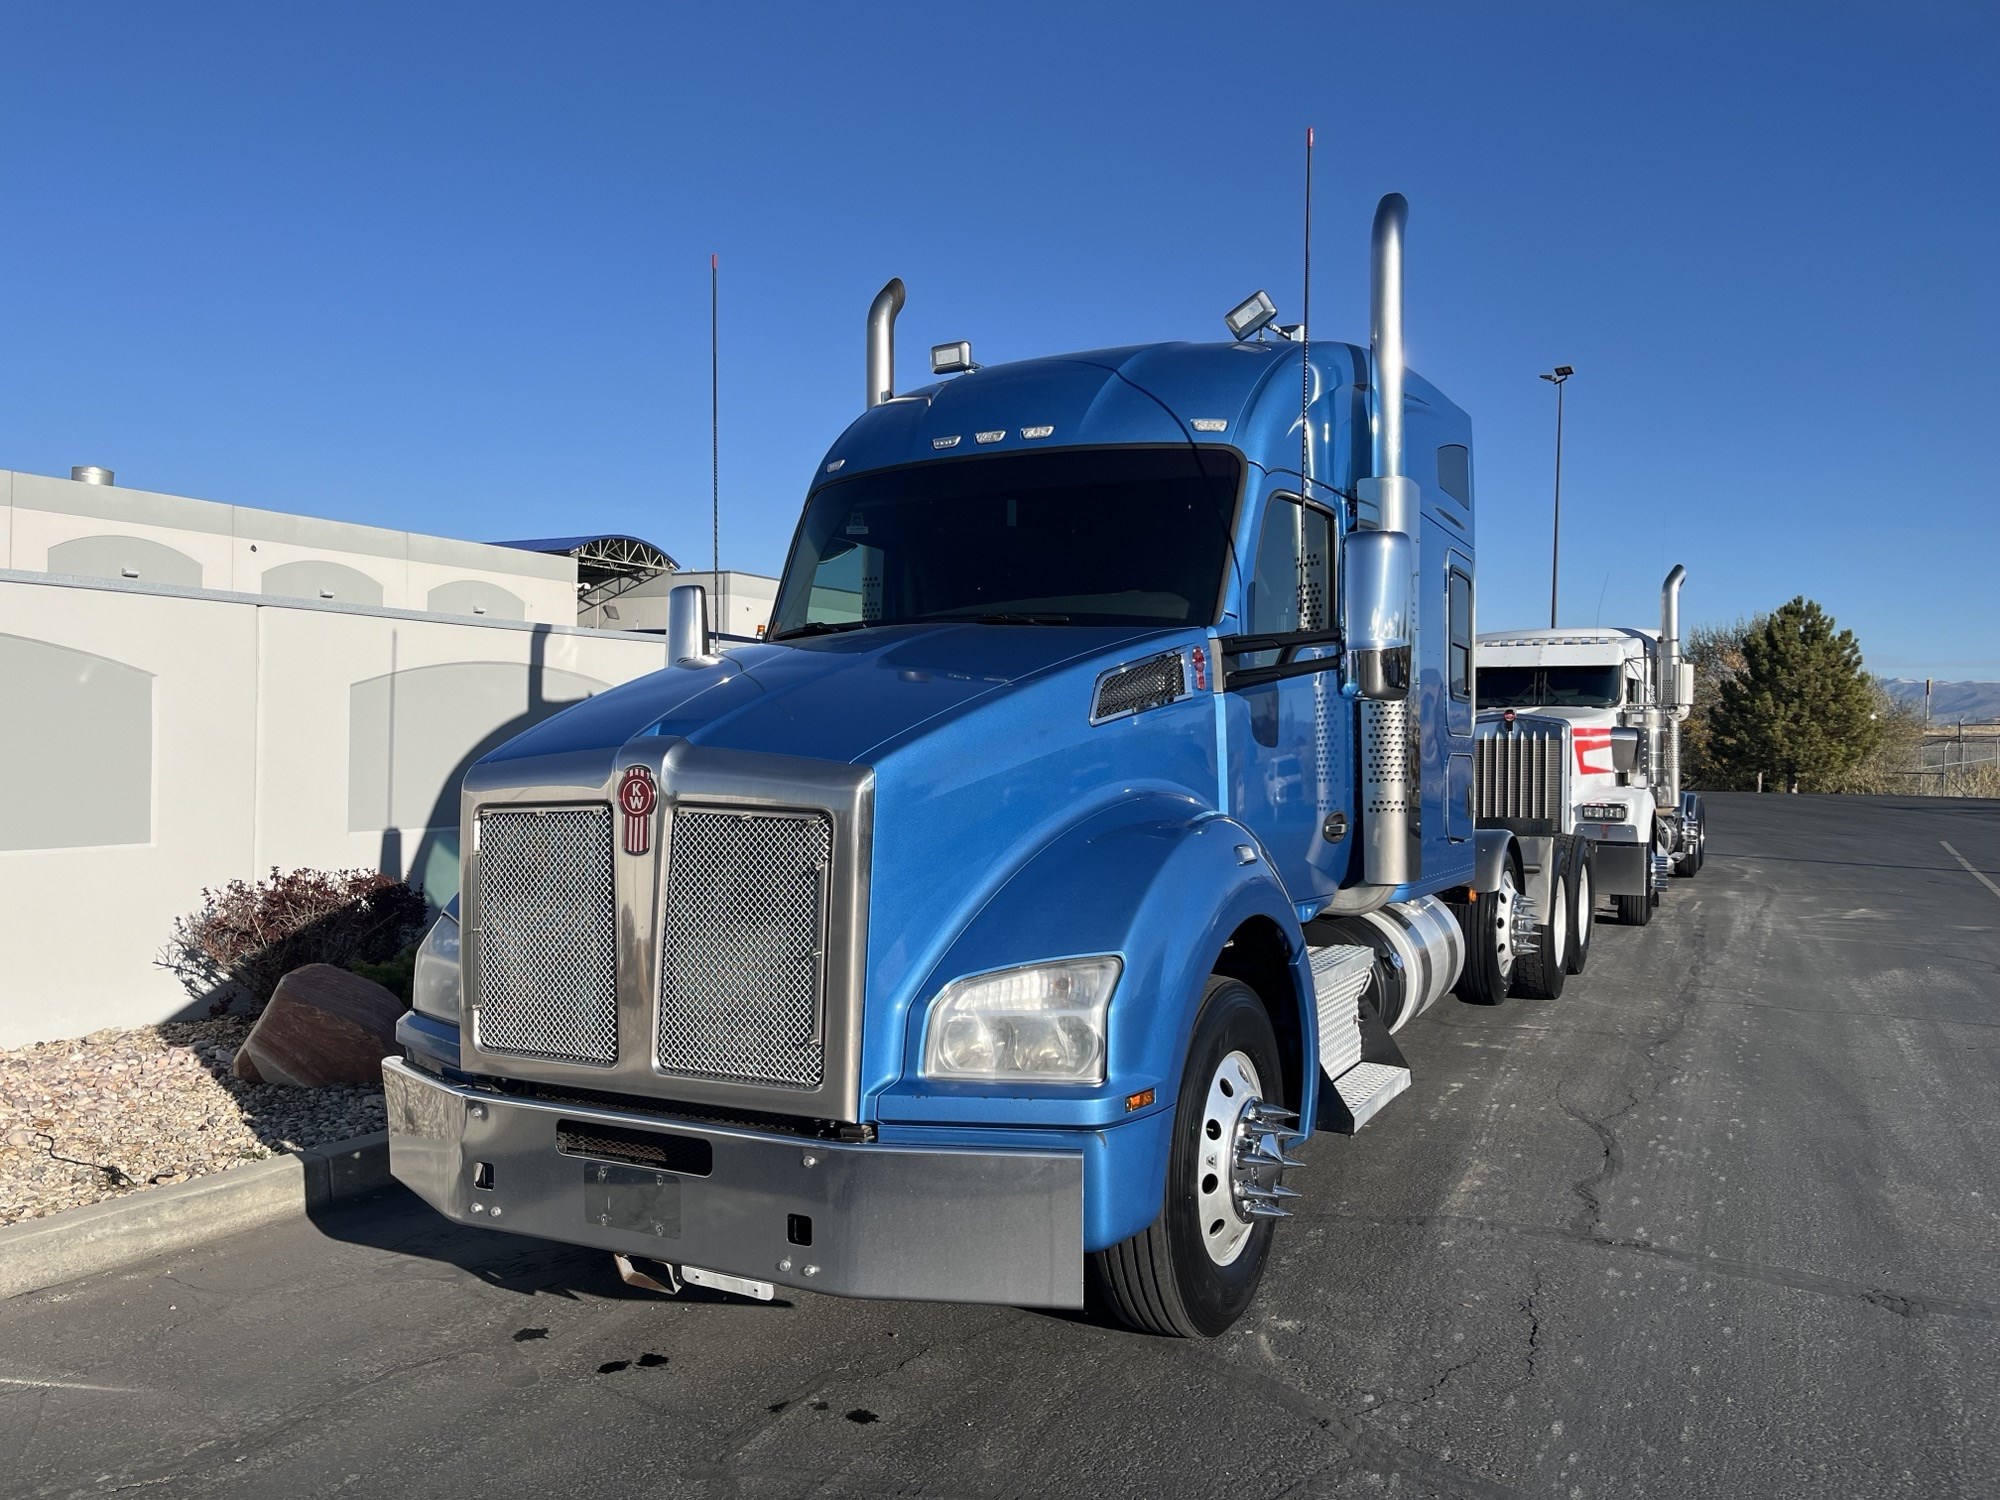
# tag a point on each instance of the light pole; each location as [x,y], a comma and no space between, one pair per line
[1557,377]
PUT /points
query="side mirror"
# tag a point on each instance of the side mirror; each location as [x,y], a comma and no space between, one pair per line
[1625,749]
[1375,569]
[687,623]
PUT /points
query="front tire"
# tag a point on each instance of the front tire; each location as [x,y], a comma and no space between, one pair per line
[1635,911]
[1195,1268]
[1583,903]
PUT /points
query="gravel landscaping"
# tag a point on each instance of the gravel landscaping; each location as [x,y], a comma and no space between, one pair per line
[120,1111]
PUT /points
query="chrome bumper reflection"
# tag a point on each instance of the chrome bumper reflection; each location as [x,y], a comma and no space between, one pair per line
[886,1221]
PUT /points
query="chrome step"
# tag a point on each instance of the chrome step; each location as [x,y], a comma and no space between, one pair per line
[1366,1087]
[1340,974]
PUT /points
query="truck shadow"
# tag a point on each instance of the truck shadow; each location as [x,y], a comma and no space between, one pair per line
[396,1221]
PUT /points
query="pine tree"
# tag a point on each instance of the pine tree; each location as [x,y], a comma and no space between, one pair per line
[1802,708]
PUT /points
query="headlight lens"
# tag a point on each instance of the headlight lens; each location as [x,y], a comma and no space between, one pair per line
[1041,1023]
[434,984]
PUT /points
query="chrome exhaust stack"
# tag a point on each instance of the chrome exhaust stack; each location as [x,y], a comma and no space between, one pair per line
[882,341]
[1378,590]
[1670,688]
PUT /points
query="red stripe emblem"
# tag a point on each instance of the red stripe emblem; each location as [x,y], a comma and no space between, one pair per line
[1593,752]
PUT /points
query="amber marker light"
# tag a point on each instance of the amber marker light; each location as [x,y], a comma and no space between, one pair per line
[1138,1101]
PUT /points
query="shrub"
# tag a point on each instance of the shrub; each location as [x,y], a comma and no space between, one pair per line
[245,937]
[396,973]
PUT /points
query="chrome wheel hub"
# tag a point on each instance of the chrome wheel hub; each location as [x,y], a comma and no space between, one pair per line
[1244,1151]
[1513,925]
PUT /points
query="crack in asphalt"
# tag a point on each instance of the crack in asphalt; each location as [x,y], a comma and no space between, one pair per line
[1589,1189]
[1903,1304]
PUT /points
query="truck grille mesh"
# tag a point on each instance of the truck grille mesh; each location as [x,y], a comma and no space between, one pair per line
[741,949]
[548,934]
[1518,774]
[1147,684]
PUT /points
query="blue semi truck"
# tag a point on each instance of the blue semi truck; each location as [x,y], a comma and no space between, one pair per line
[1097,809]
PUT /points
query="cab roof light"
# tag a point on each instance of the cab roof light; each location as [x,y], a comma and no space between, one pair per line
[1251,316]
[952,359]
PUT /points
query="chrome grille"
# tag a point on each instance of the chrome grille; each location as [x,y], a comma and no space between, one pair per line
[548,934]
[1517,773]
[1151,683]
[742,947]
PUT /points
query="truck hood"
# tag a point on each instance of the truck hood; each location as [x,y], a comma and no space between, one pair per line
[835,697]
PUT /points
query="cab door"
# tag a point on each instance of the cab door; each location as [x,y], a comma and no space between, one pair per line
[1289,730]
[1458,697]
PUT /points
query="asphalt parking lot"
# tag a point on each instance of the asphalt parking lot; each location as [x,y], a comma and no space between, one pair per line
[1724,1220]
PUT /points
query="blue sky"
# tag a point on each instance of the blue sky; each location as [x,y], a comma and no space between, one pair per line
[446,267]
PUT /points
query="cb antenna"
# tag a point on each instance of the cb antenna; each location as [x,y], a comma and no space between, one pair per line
[1305,338]
[714,440]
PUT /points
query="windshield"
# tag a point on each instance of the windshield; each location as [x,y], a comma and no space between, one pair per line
[1551,687]
[1085,536]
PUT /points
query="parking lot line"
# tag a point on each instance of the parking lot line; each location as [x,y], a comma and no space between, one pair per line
[1995,889]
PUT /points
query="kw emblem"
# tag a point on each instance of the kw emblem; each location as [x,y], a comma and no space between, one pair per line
[636,798]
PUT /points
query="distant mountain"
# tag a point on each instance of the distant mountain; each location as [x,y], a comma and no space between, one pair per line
[1950,701]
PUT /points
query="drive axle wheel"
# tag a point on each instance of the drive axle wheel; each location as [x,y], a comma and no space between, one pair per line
[1491,921]
[1193,1270]
[1544,963]
[1635,911]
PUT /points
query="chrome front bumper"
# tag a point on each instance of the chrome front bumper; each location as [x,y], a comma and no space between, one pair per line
[968,1225]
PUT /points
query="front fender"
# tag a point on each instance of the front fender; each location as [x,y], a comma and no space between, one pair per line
[1157,883]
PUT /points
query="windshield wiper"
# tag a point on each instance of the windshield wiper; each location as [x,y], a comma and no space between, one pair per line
[823,627]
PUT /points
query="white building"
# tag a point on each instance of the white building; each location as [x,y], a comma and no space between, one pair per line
[192,693]
[739,604]
[93,529]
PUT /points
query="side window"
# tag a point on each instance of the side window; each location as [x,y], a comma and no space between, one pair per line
[1291,590]
[1455,472]
[1458,627]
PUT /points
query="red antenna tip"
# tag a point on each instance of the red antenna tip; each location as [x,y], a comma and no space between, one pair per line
[1309,136]
[711,263]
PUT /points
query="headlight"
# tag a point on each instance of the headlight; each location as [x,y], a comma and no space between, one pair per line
[434,984]
[1603,812]
[1042,1023]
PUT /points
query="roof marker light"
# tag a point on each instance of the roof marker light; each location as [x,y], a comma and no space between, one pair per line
[835,466]
[990,437]
[1036,432]
[945,442]
[1209,424]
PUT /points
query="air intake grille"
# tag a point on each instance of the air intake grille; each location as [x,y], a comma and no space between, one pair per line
[1517,773]
[741,966]
[548,935]
[1146,684]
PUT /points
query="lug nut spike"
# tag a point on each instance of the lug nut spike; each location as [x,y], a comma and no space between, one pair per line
[1277,1192]
[1266,1211]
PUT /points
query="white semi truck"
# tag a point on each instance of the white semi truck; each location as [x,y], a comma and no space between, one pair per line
[1577,753]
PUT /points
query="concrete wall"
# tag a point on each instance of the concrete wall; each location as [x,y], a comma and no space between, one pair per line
[156,740]
[105,531]
[739,605]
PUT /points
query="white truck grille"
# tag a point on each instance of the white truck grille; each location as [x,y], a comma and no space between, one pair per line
[1518,773]
[742,971]
[548,944]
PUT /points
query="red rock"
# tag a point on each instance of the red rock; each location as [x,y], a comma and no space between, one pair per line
[324,1025]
